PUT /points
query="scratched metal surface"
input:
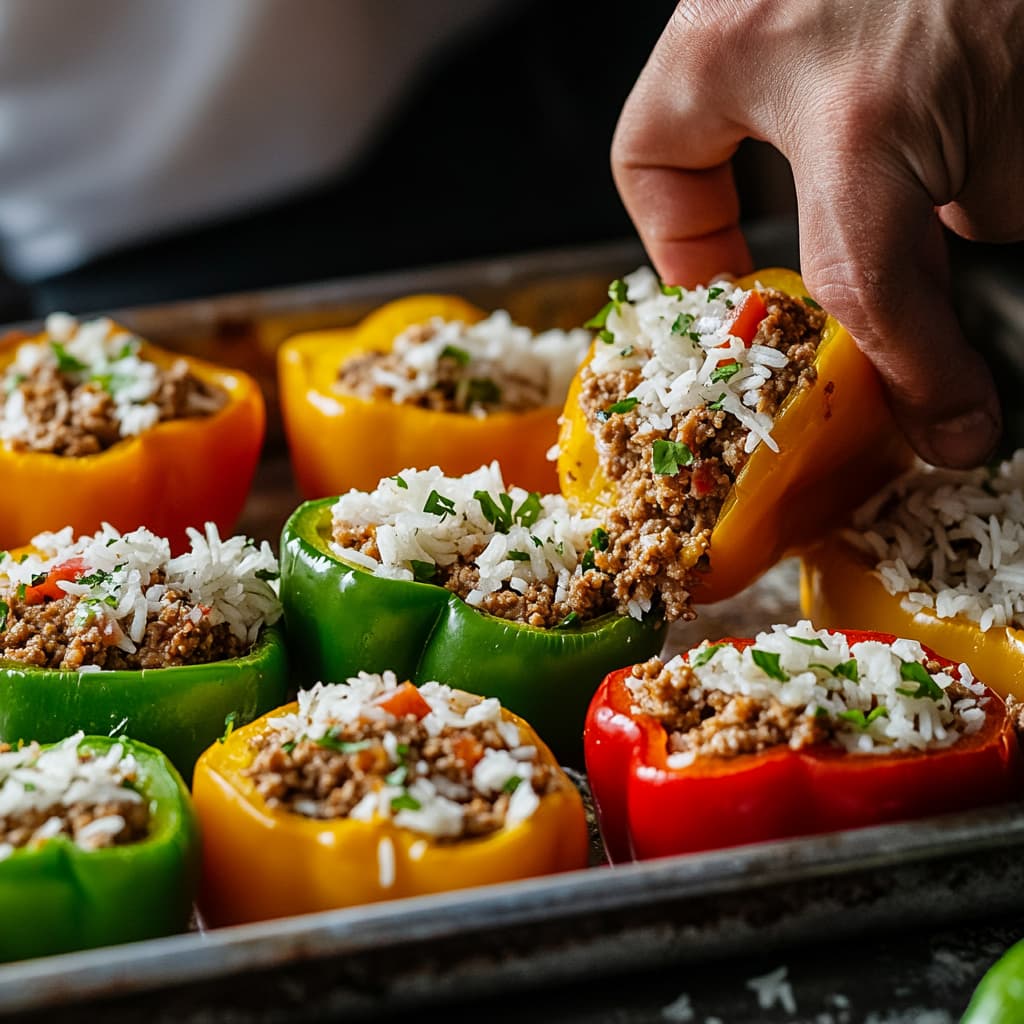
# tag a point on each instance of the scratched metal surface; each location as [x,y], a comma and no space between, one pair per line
[836,900]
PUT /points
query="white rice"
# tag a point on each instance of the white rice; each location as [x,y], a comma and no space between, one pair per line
[328,705]
[773,989]
[803,676]
[546,549]
[98,351]
[528,369]
[677,341]
[951,542]
[228,581]
[34,780]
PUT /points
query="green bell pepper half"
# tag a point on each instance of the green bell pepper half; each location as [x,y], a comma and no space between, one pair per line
[999,997]
[180,710]
[58,897]
[342,619]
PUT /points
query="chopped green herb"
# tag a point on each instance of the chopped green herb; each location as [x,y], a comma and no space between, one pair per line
[600,317]
[668,457]
[811,641]
[477,391]
[768,663]
[820,712]
[915,672]
[499,516]
[617,291]
[331,742]
[5,609]
[460,355]
[721,374]
[85,612]
[682,323]
[12,382]
[261,574]
[623,406]
[66,362]
[511,784]
[37,579]
[422,572]
[288,747]
[519,556]
[530,511]
[397,776]
[626,352]
[405,802]
[587,562]
[568,621]
[402,749]
[810,302]
[714,292]
[399,482]
[675,291]
[599,539]
[705,654]
[229,725]
[606,336]
[848,670]
[439,505]
[19,592]
[729,303]
[856,717]
[95,578]
[537,542]
[716,405]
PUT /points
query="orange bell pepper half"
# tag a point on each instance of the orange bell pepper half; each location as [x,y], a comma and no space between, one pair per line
[838,585]
[838,443]
[261,862]
[339,442]
[179,473]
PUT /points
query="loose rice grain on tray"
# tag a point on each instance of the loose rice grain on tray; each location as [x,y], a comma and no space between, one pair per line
[84,387]
[676,403]
[120,601]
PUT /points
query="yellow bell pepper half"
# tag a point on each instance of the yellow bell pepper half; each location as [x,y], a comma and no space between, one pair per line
[838,443]
[261,862]
[839,589]
[339,442]
[178,473]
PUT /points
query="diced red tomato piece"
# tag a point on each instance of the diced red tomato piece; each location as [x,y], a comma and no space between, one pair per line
[405,701]
[748,317]
[71,570]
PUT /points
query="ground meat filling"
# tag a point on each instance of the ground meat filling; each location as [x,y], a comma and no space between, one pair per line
[662,524]
[35,826]
[713,723]
[330,777]
[56,635]
[65,417]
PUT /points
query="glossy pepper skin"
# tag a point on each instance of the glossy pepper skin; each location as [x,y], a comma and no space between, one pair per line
[339,442]
[261,862]
[174,475]
[999,997]
[60,898]
[838,584]
[342,619]
[181,710]
[647,809]
[837,442]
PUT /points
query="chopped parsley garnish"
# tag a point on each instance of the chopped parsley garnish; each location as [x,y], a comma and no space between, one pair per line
[617,291]
[600,317]
[606,336]
[519,556]
[288,747]
[19,591]
[674,291]
[668,457]
[587,562]
[261,574]
[399,482]
[820,712]
[682,323]
[810,302]
[537,542]
[422,572]
[721,374]
[66,362]
[716,405]
[477,391]
[331,742]
[405,802]
[511,784]
[599,539]
[808,641]
[702,657]
[397,776]
[85,612]
[848,670]
[626,352]
[502,517]
[856,717]
[768,663]
[729,303]
[460,355]
[12,382]
[229,725]
[5,609]
[622,406]
[38,579]
[714,292]
[402,749]
[568,621]
[96,578]
[439,505]
[915,672]
[530,511]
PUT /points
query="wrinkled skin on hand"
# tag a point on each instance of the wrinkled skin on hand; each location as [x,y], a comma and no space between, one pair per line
[897,118]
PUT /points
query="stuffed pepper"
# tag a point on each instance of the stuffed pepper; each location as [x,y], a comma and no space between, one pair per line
[433,382]
[936,556]
[111,634]
[98,426]
[98,845]
[794,732]
[493,589]
[999,997]
[716,428]
[372,790]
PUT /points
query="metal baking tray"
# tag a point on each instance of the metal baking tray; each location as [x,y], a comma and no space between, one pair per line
[538,932]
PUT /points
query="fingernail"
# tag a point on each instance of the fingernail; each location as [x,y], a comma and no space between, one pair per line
[963,441]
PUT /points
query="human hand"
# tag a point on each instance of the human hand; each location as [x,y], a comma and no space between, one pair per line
[897,116]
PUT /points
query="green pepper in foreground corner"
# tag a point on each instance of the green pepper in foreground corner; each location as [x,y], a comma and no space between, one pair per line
[58,897]
[999,997]
[342,619]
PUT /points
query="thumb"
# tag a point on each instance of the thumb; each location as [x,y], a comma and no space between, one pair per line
[873,255]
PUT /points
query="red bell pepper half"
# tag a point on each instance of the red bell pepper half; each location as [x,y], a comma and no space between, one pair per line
[648,809]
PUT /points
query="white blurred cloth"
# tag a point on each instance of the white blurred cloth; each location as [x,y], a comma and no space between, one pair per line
[122,119]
